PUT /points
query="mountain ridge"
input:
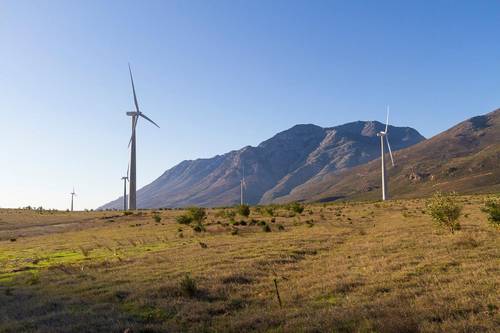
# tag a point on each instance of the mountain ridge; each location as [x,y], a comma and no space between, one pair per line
[273,168]
[464,158]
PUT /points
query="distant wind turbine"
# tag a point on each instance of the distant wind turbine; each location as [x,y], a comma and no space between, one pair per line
[383,134]
[125,179]
[72,195]
[132,199]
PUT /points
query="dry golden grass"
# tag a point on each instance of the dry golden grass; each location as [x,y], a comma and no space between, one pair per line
[346,267]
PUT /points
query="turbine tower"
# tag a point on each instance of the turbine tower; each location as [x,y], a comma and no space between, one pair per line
[382,135]
[132,171]
[125,179]
[72,195]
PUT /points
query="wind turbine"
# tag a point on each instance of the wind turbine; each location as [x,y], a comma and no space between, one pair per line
[383,134]
[72,195]
[243,185]
[125,179]
[132,172]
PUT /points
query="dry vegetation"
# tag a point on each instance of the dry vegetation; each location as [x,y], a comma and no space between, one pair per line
[344,267]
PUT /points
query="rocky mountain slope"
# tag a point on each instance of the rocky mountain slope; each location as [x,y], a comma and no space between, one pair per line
[465,158]
[273,169]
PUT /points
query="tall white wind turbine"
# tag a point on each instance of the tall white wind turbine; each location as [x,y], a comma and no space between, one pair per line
[72,195]
[132,199]
[382,135]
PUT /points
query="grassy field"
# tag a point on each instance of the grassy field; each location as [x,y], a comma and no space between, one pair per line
[343,267]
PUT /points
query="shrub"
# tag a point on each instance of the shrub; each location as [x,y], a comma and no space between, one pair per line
[157,218]
[198,214]
[193,214]
[296,207]
[243,210]
[188,286]
[184,219]
[269,210]
[127,212]
[445,210]
[266,228]
[230,214]
[492,208]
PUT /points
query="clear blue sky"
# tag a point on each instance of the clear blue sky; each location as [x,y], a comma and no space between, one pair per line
[219,75]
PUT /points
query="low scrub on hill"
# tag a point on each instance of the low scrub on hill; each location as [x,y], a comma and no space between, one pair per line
[194,216]
[445,210]
[492,208]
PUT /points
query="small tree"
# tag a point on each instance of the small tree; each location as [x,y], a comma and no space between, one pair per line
[492,208]
[445,210]
[243,210]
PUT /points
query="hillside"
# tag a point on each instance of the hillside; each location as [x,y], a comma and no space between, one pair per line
[272,169]
[465,158]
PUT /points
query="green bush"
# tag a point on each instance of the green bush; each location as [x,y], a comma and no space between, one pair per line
[193,214]
[198,214]
[157,218]
[184,219]
[445,210]
[227,213]
[266,228]
[243,210]
[296,207]
[269,210]
[492,208]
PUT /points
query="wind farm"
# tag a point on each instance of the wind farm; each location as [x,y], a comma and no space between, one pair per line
[277,196]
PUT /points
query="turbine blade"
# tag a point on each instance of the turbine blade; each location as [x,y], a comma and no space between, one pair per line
[387,120]
[390,151]
[133,89]
[145,117]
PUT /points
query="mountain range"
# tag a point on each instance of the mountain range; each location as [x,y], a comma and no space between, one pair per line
[464,158]
[312,163]
[273,169]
